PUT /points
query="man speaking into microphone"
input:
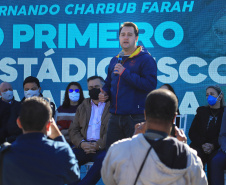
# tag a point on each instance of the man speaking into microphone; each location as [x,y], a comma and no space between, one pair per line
[132,74]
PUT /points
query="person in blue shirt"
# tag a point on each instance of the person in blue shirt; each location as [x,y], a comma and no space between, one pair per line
[131,76]
[35,159]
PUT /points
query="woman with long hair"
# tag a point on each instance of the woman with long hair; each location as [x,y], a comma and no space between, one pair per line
[65,113]
[205,128]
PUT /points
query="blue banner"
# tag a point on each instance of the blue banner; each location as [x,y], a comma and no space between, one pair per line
[63,41]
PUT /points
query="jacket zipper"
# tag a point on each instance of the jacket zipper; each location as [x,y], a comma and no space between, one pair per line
[118,88]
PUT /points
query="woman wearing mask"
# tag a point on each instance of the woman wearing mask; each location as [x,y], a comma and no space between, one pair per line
[205,128]
[66,112]
[32,88]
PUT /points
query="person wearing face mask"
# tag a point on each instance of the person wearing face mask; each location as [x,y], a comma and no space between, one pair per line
[205,128]
[88,131]
[65,113]
[12,130]
[32,88]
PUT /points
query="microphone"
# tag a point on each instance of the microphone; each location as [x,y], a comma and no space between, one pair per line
[120,55]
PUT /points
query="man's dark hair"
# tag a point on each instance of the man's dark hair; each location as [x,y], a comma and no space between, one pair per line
[66,103]
[130,24]
[35,113]
[161,104]
[31,79]
[169,87]
[96,77]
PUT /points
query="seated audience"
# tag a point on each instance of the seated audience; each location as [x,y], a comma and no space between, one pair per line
[218,163]
[153,157]
[32,88]
[34,159]
[205,128]
[65,113]
[88,131]
[6,92]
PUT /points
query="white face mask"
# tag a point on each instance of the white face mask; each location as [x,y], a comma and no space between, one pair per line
[8,95]
[74,96]
[31,93]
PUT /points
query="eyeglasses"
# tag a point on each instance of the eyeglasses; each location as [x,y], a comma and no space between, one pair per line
[71,90]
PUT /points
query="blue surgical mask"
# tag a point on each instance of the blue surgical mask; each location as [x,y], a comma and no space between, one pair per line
[74,96]
[212,100]
[31,93]
[8,95]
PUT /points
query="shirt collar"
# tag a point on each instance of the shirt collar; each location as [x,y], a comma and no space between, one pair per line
[100,103]
[154,134]
[31,136]
[135,53]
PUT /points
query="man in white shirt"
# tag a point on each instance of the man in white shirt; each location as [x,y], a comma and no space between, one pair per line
[154,157]
[88,130]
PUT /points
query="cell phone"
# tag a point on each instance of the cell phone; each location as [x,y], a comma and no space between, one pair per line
[173,130]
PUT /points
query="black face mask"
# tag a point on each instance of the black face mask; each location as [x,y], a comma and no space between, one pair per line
[94,93]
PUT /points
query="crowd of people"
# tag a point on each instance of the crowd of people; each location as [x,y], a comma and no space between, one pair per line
[126,127]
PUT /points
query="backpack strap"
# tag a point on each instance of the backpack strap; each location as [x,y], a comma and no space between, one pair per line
[142,165]
[4,148]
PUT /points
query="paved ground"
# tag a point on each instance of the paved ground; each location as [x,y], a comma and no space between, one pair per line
[83,173]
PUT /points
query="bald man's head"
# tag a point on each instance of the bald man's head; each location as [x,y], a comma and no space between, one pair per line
[6,91]
[161,105]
